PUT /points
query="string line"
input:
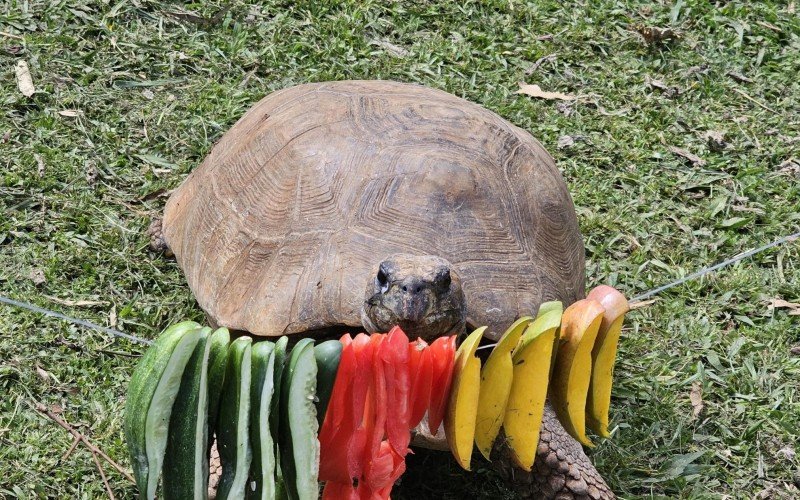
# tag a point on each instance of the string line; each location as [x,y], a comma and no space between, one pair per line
[720,265]
[76,321]
[637,298]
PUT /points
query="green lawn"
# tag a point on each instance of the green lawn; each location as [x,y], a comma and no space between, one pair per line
[132,94]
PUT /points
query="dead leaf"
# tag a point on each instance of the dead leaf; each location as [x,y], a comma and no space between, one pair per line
[788,452]
[790,166]
[791,8]
[795,350]
[565,141]
[536,91]
[56,408]
[697,70]
[6,136]
[669,91]
[91,175]
[794,307]
[658,84]
[654,34]
[43,374]
[392,49]
[566,108]
[24,80]
[696,160]
[716,140]
[76,303]
[696,398]
[40,164]
[70,113]
[37,276]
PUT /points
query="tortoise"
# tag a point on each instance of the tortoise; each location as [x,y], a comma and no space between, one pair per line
[449,215]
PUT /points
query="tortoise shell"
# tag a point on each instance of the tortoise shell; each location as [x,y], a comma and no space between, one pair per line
[280,228]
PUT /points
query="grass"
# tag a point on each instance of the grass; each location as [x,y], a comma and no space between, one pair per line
[132,94]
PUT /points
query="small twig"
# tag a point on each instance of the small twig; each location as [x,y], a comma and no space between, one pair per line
[642,303]
[71,449]
[10,35]
[55,418]
[744,94]
[103,476]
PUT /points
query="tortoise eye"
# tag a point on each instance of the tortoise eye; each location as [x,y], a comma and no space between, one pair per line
[383,280]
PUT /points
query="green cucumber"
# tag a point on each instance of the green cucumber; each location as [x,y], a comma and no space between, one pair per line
[261,390]
[151,393]
[299,450]
[217,363]
[233,440]
[328,354]
[274,413]
[280,364]
[186,457]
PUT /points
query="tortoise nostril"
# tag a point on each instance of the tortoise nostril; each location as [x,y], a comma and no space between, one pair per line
[418,289]
[405,288]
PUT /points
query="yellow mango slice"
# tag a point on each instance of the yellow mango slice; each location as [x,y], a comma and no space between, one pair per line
[531,368]
[604,354]
[462,407]
[569,386]
[496,377]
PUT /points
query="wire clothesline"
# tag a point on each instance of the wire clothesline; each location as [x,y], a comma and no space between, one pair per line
[133,338]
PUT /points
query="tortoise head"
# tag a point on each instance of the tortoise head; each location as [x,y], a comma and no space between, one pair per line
[421,294]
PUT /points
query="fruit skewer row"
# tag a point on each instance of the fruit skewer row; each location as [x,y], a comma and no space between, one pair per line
[343,411]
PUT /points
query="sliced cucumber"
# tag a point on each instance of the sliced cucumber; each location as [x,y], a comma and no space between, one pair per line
[280,365]
[274,413]
[186,457]
[217,364]
[263,467]
[233,440]
[153,387]
[299,450]
[328,354]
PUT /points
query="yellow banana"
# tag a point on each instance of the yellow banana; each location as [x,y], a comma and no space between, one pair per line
[531,362]
[462,408]
[496,377]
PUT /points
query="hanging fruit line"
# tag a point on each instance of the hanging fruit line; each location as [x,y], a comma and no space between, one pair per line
[343,412]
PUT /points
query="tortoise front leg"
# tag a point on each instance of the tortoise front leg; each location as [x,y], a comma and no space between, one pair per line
[561,470]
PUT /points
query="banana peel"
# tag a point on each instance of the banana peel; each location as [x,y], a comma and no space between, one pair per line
[531,369]
[462,407]
[604,354]
[569,386]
